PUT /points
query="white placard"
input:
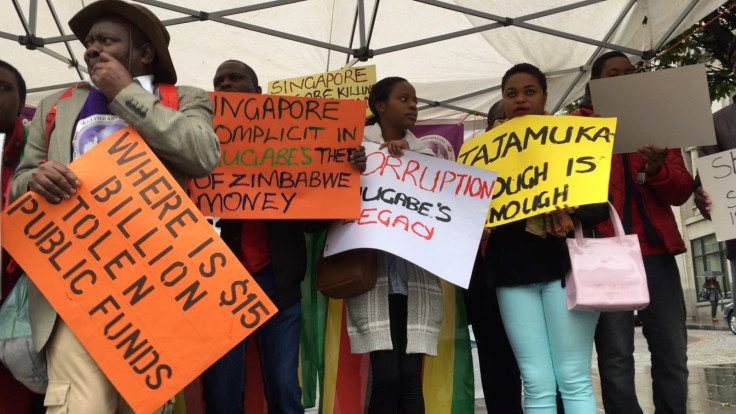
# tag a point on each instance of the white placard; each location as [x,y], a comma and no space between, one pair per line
[718,174]
[427,210]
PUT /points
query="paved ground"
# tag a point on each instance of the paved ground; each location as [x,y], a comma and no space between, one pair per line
[712,381]
[712,363]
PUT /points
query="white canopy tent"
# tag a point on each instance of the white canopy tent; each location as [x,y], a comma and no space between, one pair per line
[453,51]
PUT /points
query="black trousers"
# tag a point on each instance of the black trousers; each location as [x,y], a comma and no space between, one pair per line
[397,376]
[499,373]
[663,325]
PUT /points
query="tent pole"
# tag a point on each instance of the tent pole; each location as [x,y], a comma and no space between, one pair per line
[56,55]
[570,87]
[69,50]
[500,22]
[580,39]
[361,23]
[674,25]
[435,104]
[373,23]
[363,53]
[9,36]
[32,16]
[22,18]
[508,21]
[282,35]
[447,102]
[594,55]
[218,17]
[195,15]
[352,34]
[51,87]
[260,6]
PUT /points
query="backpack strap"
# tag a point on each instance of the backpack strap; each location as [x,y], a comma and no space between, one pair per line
[51,117]
[170,99]
[169,96]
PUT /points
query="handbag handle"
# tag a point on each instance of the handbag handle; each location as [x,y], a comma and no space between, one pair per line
[618,228]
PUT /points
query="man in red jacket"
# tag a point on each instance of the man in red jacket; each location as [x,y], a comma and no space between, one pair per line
[643,187]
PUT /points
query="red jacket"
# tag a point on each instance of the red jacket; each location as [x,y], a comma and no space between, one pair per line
[671,186]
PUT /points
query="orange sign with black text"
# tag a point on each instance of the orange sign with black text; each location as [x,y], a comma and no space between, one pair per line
[136,271]
[283,157]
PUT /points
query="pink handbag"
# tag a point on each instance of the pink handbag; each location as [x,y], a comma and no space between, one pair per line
[607,274]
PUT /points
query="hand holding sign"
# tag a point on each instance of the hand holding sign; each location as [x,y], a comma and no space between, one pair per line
[654,158]
[53,181]
[702,201]
[395,147]
[358,159]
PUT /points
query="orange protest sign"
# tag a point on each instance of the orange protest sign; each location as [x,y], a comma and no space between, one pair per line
[283,157]
[136,271]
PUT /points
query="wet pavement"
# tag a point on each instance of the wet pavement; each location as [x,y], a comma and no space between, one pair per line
[712,381]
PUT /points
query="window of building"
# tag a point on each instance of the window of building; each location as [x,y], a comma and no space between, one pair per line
[709,258]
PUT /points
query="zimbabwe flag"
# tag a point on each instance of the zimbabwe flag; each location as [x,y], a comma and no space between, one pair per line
[344,377]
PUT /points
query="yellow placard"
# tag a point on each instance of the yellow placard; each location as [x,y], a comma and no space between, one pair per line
[543,162]
[351,83]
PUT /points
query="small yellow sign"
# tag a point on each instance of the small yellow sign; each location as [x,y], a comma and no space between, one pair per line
[351,83]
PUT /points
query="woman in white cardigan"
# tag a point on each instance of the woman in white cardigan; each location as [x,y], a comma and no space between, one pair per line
[399,320]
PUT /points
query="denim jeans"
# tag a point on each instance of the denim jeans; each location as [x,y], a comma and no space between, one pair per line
[278,343]
[664,328]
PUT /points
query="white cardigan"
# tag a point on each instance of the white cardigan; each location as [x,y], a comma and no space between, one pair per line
[368,317]
[372,133]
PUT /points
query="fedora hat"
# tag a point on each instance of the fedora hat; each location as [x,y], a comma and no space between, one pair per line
[138,16]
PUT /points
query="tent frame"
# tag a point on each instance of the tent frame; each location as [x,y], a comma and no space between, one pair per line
[362,52]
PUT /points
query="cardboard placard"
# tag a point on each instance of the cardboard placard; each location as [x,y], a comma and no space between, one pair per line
[282,157]
[718,174]
[350,83]
[543,162]
[665,108]
[136,271]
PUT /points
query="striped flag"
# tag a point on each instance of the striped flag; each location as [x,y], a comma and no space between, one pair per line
[448,377]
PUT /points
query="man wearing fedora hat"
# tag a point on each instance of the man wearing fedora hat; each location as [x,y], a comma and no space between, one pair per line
[128,60]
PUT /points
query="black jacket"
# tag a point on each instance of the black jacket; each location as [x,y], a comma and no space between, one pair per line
[515,257]
[288,253]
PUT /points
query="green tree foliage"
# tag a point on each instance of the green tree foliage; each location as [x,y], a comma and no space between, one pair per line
[705,42]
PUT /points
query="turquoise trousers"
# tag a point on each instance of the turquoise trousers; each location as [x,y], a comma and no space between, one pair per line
[553,347]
